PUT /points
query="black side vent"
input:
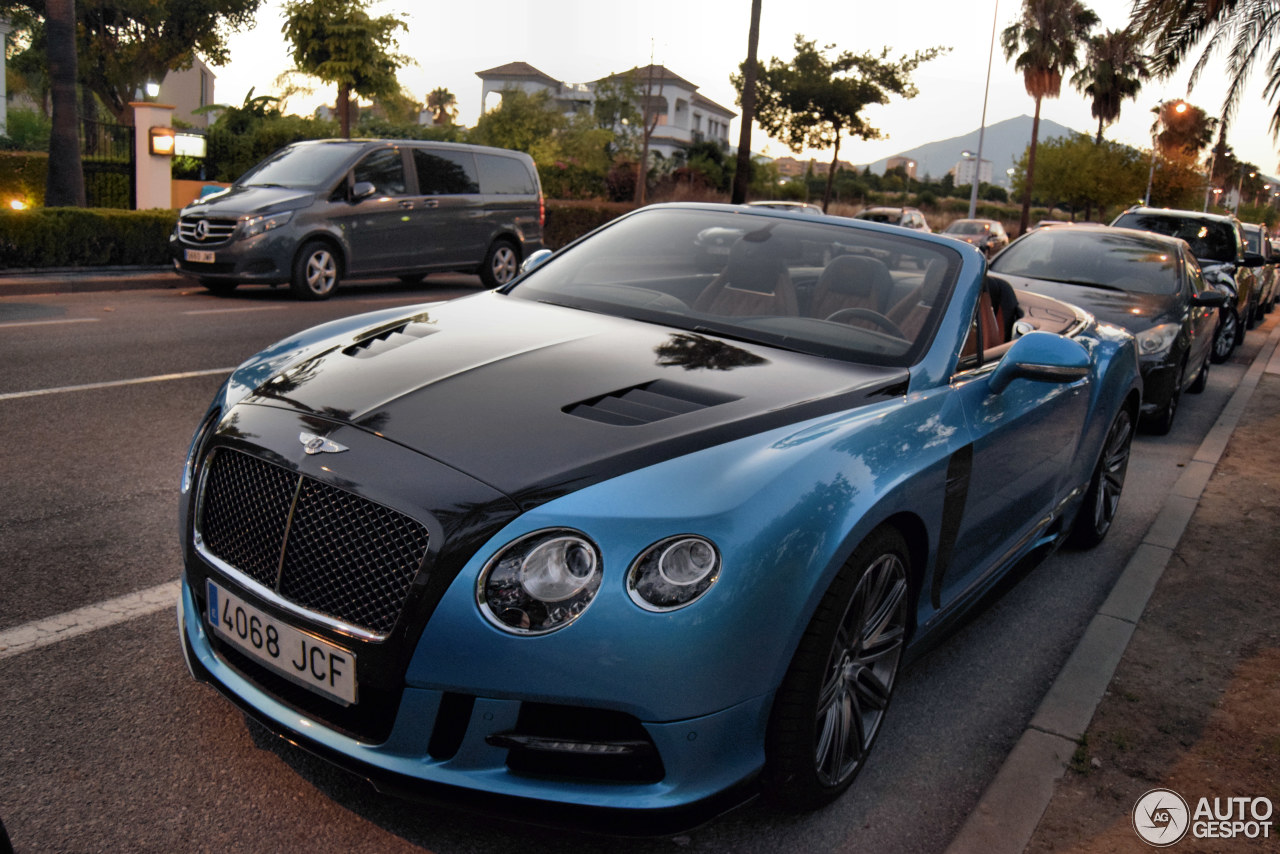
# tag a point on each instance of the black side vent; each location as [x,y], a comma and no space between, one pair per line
[388,339]
[646,403]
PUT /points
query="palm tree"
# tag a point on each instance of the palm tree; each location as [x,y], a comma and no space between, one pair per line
[64,185]
[1245,28]
[1043,45]
[443,106]
[1115,70]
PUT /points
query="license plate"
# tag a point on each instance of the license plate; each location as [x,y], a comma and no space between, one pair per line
[296,655]
[199,256]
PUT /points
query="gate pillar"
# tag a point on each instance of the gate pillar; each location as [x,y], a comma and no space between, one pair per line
[152,172]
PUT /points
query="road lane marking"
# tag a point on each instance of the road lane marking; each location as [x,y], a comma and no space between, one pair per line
[55,629]
[16,323]
[16,395]
[234,310]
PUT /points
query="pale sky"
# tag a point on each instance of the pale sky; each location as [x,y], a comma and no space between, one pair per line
[704,41]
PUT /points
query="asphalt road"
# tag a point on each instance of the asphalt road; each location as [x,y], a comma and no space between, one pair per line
[106,744]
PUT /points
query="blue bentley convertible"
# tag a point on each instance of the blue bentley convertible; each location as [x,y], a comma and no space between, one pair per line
[652,528]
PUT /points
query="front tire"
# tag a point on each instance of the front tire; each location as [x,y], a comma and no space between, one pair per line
[829,708]
[1102,500]
[501,263]
[1224,337]
[1161,422]
[316,271]
[1202,378]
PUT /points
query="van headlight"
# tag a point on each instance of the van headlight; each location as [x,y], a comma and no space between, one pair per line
[251,226]
[541,582]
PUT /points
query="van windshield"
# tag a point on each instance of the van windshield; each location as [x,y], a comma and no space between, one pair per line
[302,167]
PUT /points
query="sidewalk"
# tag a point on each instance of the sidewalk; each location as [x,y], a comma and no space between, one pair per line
[71,280]
[1176,682]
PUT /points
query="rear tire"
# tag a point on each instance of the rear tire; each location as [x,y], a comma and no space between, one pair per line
[830,705]
[1224,336]
[501,263]
[316,271]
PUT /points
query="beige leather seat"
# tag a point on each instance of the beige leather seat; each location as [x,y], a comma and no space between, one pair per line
[754,282]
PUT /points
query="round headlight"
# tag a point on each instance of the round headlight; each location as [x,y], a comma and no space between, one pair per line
[539,583]
[673,573]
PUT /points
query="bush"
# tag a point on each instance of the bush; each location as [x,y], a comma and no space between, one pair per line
[25,130]
[84,237]
[568,220]
[23,176]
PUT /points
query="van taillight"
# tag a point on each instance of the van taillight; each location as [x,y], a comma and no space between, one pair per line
[542,211]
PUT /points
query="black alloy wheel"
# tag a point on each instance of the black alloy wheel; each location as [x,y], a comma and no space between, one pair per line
[833,699]
[1224,336]
[1102,500]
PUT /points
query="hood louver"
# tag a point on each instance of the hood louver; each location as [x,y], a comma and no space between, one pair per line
[388,339]
[646,403]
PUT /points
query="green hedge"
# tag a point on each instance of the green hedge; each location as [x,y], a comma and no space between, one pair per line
[569,220]
[97,237]
[84,237]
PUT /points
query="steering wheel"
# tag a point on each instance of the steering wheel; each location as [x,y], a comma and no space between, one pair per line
[844,315]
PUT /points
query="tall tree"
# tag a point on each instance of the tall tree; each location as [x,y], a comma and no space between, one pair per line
[65,184]
[742,175]
[520,121]
[123,44]
[1044,44]
[340,43]
[814,100]
[1114,72]
[1246,30]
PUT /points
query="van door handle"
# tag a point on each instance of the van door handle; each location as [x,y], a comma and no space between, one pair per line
[430,203]
[407,205]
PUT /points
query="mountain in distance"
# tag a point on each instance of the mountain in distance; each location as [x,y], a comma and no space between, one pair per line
[1002,145]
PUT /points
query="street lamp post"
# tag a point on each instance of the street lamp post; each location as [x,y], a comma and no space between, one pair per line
[1240,189]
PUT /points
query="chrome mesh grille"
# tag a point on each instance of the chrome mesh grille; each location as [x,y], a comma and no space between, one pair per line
[317,546]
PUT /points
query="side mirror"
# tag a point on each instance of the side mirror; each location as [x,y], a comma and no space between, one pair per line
[1209,298]
[535,260]
[1253,259]
[1043,357]
[362,190]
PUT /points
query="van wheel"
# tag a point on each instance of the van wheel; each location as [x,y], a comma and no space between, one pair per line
[501,264]
[218,287]
[315,272]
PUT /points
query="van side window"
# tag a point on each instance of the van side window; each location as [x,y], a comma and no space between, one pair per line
[384,169]
[504,176]
[445,173]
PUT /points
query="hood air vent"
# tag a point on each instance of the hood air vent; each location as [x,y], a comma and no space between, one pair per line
[646,403]
[388,339]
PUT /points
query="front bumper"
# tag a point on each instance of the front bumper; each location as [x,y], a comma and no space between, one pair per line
[264,259]
[710,763]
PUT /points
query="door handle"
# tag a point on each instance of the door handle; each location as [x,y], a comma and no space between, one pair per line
[430,203]
[407,205]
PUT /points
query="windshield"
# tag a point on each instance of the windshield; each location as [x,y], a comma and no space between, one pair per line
[1118,259]
[968,226]
[302,167]
[840,291]
[1209,239]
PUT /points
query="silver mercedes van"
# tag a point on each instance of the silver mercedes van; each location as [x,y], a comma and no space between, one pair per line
[317,212]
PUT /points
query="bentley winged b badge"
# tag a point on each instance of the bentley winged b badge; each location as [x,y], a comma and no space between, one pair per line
[313,444]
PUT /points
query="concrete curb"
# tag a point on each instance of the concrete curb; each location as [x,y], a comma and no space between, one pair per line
[16,283]
[1009,810]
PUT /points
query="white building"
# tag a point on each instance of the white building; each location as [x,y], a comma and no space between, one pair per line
[683,116]
[963,171]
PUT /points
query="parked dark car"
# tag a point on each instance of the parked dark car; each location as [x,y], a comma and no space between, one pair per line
[1218,242]
[986,234]
[316,212]
[633,538]
[905,217]
[1148,283]
[1258,239]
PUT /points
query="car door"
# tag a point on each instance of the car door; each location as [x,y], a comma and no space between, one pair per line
[377,227]
[449,213]
[1022,442]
